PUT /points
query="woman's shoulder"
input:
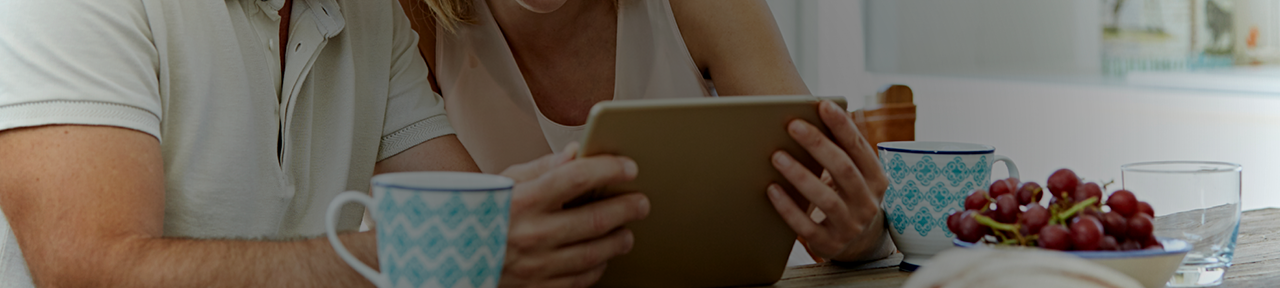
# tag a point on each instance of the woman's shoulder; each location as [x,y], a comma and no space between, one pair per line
[738,45]
[709,26]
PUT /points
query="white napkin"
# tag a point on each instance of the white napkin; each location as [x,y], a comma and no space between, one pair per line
[985,267]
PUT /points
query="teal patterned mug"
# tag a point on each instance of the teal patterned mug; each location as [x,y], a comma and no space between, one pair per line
[927,182]
[435,229]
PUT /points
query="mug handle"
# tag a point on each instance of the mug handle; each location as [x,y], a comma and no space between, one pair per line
[330,223]
[1008,163]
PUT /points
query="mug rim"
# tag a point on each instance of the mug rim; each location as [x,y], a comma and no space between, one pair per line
[955,149]
[443,181]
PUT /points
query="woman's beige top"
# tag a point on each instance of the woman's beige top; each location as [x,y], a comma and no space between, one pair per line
[493,111]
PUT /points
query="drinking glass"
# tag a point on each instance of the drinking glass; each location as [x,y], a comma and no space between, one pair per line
[1195,201]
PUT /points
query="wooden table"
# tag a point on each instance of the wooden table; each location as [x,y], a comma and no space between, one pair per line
[1256,263]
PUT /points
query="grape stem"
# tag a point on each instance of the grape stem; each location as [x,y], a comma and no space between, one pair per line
[984,220]
[989,201]
[998,227]
[1104,186]
[1075,209]
[1018,236]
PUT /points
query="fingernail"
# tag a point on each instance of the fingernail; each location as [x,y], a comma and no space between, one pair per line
[571,148]
[797,127]
[629,167]
[775,191]
[644,207]
[630,239]
[570,151]
[833,107]
[780,159]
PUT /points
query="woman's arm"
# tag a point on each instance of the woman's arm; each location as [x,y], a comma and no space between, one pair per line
[739,45]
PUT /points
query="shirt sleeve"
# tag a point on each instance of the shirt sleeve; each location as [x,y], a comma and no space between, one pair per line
[415,114]
[89,62]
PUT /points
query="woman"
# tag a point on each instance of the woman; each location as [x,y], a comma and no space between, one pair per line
[520,76]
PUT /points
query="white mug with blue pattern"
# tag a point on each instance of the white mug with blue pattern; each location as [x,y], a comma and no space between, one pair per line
[435,229]
[927,182]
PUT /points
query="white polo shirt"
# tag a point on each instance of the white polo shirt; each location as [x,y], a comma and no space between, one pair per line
[250,151]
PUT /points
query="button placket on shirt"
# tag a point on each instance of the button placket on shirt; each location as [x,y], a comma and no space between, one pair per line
[313,22]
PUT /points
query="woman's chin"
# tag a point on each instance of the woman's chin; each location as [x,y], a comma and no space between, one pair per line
[541,6]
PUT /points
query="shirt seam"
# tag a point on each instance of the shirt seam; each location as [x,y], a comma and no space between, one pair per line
[78,103]
[414,134]
[81,112]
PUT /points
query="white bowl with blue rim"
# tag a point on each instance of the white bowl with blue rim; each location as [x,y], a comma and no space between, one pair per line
[1151,267]
[927,182]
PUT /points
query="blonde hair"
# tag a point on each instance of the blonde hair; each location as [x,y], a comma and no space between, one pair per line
[451,13]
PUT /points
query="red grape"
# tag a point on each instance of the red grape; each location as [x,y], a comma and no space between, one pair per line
[1152,243]
[1027,193]
[1091,211]
[1063,181]
[1000,187]
[987,230]
[1086,232]
[1053,201]
[1086,191]
[970,230]
[1055,237]
[1007,209]
[1034,218]
[1140,227]
[1144,207]
[1123,202]
[976,200]
[1129,245]
[1128,225]
[1108,244]
[1115,224]
[953,222]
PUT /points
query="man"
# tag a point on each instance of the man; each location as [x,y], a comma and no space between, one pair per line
[165,143]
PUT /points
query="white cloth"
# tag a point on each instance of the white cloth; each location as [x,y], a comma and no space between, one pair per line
[998,268]
[199,76]
[13,271]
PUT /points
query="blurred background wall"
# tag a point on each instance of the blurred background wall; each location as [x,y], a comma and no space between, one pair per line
[1025,76]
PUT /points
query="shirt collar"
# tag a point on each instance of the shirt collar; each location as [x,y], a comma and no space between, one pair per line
[271,8]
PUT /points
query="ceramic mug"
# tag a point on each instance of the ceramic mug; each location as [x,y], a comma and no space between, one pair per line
[927,182]
[435,229]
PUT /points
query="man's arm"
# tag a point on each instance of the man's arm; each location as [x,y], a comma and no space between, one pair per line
[443,153]
[87,206]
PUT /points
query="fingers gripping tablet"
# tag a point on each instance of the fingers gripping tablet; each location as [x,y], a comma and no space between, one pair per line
[705,166]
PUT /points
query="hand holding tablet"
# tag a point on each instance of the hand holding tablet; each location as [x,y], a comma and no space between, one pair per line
[707,163]
[853,228]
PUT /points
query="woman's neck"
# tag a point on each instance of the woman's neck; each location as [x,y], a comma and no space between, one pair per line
[538,31]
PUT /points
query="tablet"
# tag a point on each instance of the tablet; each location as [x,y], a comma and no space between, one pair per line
[704,164]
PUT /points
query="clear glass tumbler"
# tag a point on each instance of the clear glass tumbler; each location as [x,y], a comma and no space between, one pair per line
[1194,201]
